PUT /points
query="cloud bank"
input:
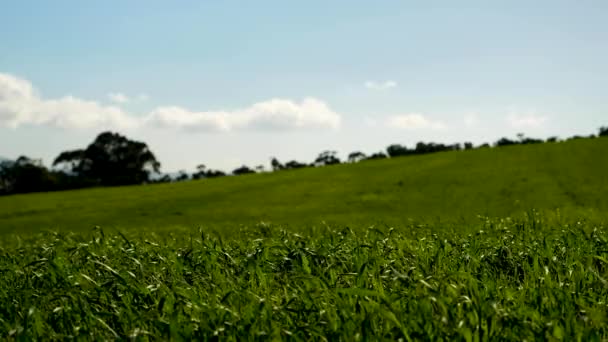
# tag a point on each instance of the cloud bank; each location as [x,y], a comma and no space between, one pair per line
[20,105]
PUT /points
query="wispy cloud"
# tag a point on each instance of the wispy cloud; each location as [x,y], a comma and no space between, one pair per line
[526,120]
[414,121]
[21,105]
[384,85]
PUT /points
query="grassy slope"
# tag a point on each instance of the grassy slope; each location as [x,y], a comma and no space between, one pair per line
[455,186]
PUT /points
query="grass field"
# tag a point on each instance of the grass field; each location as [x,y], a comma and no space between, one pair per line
[442,187]
[492,244]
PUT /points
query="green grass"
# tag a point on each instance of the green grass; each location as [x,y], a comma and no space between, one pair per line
[500,244]
[452,186]
[500,280]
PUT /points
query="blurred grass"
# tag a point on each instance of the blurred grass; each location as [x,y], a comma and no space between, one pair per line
[566,179]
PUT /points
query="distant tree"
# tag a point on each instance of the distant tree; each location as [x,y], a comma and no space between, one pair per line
[26,175]
[423,148]
[327,158]
[378,155]
[260,168]
[552,139]
[356,156]
[527,141]
[214,173]
[275,164]
[111,159]
[468,145]
[484,145]
[243,170]
[204,172]
[200,171]
[294,165]
[603,132]
[397,150]
[182,176]
[454,147]
[505,142]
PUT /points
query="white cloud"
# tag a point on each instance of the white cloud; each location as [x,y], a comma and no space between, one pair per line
[380,85]
[526,120]
[121,98]
[414,121]
[271,114]
[21,105]
[118,97]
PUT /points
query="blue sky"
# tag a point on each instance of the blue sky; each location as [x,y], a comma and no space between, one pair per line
[226,83]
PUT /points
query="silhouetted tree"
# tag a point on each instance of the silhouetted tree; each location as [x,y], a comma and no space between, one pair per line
[214,173]
[552,139]
[327,158]
[26,175]
[259,168]
[200,171]
[242,171]
[397,150]
[525,141]
[378,155]
[423,148]
[294,165]
[276,165]
[603,132]
[468,145]
[505,142]
[182,176]
[356,156]
[111,159]
[203,172]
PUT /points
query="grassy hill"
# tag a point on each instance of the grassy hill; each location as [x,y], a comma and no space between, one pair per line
[535,278]
[568,179]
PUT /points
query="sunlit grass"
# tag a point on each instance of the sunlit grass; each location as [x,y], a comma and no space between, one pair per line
[500,279]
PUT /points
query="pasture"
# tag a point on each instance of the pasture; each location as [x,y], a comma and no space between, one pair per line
[561,180]
[490,244]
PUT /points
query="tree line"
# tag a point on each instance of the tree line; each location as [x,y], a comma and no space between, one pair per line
[112,160]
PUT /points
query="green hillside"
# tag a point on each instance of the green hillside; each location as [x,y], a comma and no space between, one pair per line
[567,179]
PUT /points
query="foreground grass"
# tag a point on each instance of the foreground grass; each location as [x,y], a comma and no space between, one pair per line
[502,279]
